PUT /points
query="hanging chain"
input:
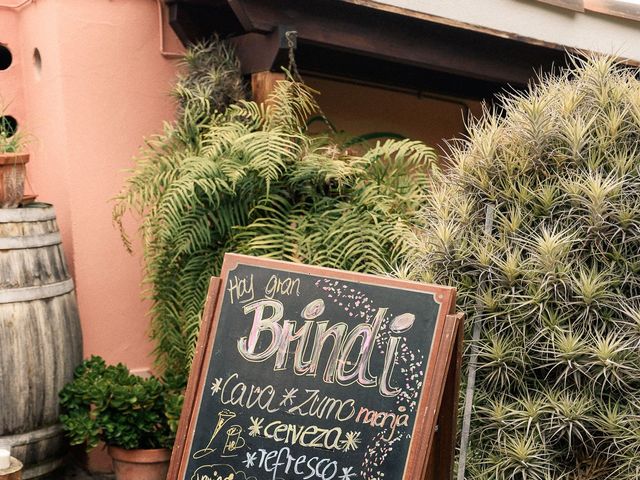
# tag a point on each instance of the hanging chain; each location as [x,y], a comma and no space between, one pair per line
[473,362]
[291,36]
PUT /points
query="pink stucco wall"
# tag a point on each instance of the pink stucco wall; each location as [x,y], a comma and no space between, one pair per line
[102,87]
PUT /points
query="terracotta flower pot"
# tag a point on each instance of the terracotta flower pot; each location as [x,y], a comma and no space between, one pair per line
[12,173]
[143,464]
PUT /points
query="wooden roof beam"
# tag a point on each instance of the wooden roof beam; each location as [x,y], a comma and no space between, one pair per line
[333,34]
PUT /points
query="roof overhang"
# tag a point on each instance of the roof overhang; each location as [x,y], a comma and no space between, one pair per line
[364,44]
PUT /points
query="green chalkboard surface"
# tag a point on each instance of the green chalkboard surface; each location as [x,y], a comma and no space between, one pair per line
[312,373]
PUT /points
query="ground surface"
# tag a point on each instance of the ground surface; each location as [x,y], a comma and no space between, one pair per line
[73,472]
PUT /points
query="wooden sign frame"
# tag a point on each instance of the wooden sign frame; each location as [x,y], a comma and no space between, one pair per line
[432,446]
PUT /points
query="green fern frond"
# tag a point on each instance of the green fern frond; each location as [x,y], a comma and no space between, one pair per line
[243,177]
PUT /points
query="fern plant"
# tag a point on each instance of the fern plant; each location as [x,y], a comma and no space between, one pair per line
[537,223]
[248,178]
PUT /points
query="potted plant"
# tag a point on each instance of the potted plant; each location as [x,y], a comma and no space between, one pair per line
[130,414]
[12,164]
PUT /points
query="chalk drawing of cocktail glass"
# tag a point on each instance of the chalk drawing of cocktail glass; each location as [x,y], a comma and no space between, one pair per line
[223,417]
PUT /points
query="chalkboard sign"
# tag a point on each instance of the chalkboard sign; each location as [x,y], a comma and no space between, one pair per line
[312,373]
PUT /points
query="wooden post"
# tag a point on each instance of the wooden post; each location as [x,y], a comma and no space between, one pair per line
[440,466]
[263,83]
[14,472]
[189,399]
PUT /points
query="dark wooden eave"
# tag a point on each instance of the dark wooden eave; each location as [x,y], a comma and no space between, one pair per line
[360,43]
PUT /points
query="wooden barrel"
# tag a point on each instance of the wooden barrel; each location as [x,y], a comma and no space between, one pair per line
[40,337]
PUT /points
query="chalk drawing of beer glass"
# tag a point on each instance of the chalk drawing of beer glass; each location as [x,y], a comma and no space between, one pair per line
[223,417]
[234,441]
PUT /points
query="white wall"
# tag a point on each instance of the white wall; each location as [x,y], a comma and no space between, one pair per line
[537,21]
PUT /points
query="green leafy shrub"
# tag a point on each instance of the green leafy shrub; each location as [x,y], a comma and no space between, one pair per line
[252,180]
[109,404]
[537,223]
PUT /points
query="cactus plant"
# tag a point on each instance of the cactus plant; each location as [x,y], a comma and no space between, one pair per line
[537,222]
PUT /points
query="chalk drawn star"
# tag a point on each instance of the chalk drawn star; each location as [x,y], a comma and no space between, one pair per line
[351,441]
[347,473]
[290,394]
[256,426]
[216,386]
[250,460]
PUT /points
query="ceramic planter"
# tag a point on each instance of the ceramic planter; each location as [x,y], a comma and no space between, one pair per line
[143,464]
[12,174]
